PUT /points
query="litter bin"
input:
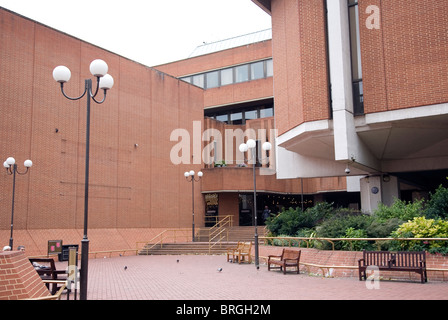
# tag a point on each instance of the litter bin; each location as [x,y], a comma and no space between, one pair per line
[64,255]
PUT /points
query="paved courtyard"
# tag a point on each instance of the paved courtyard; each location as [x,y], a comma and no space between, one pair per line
[198,277]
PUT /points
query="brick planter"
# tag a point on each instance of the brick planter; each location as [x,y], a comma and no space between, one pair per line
[350,259]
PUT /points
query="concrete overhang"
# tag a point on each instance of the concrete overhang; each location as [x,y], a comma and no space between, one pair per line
[411,139]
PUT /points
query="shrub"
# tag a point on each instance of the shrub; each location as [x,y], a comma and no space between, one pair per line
[337,226]
[421,227]
[437,206]
[355,245]
[289,222]
[383,229]
[399,210]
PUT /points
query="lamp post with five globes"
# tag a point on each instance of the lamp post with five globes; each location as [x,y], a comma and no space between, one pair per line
[11,169]
[62,74]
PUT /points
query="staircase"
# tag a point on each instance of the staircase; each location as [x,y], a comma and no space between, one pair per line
[186,248]
[202,244]
[233,234]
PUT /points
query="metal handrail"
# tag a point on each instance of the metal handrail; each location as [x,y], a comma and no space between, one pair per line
[162,237]
[289,240]
[217,231]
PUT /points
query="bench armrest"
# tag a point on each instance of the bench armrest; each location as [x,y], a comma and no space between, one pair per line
[273,256]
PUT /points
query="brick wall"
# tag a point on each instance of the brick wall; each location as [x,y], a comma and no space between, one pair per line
[130,186]
[229,94]
[404,61]
[217,60]
[300,64]
[18,279]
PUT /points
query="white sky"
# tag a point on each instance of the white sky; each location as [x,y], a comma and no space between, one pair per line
[151,32]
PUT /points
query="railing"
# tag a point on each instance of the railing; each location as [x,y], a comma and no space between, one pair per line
[326,269]
[296,241]
[219,232]
[215,235]
[166,236]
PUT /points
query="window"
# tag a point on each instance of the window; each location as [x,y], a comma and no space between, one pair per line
[269,68]
[212,79]
[267,112]
[223,118]
[236,118]
[251,114]
[355,49]
[242,114]
[198,80]
[242,73]
[226,76]
[257,70]
[186,79]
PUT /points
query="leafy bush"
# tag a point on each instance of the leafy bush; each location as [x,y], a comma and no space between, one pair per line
[289,222]
[355,245]
[399,210]
[337,225]
[421,227]
[400,220]
[383,229]
[437,206]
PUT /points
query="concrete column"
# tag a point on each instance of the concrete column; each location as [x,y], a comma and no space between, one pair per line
[376,189]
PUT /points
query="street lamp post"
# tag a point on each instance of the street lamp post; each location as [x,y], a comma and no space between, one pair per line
[190,178]
[244,147]
[11,169]
[62,74]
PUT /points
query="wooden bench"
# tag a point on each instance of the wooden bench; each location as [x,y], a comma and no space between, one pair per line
[288,258]
[48,272]
[393,261]
[230,252]
[241,254]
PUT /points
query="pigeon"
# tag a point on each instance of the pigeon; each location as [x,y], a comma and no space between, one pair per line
[219,269]
[177,260]
[125,268]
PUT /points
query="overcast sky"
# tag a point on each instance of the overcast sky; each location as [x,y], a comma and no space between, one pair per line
[151,32]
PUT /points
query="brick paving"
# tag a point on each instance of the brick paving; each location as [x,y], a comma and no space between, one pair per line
[196,277]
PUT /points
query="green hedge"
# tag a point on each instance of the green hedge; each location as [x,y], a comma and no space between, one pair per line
[418,219]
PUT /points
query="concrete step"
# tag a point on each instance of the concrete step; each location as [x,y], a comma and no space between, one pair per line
[186,248]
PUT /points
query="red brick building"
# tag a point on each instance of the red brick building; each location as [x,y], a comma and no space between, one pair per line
[135,191]
[362,87]
[347,85]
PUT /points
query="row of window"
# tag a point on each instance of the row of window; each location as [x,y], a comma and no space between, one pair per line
[237,74]
[240,116]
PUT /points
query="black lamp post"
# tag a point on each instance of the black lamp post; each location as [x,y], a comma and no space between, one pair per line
[190,178]
[11,169]
[251,144]
[62,74]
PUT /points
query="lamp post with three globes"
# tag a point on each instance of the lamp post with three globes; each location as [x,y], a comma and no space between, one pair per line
[61,74]
[189,175]
[11,169]
[244,147]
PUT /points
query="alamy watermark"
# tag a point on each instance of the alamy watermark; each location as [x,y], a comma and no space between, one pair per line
[373,280]
[212,146]
[373,20]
